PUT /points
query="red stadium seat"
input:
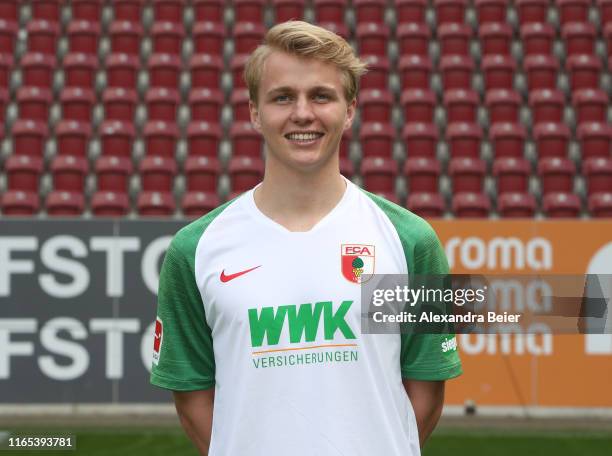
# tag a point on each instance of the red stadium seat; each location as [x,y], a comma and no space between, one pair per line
[467,174]
[80,70]
[595,140]
[461,105]
[4,98]
[83,37]
[240,105]
[237,65]
[205,71]
[29,137]
[418,105]
[561,205]
[600,205]
[456,71]
[6,63]
[9,10]
[512,175]
[247,36]
[537,38]
[372,38]
[249,10]
[206,104]
[203,138]
[420,139]
[42,36]
[125,37]
[556,174]
[551,139]
[450,11]
[112,173]
[546,105]
[162,104]
[464,139]
[598,172]
[605,11]
[508,139]
[69,173]
[423,174]
[110,204]
[427,205]
[72,137]
[86,10]
[117,138]
[583,71]
[8,36]
[202,173]
[377,139]
[415,72]
[541,71]
[155,204]
[454,39]
[498,71]
[370,11]
[530,11]
[64,204]
[128,10]
[169,11]
[347,168]
[579,38]
[209,38]
[286,10]
[122,70]
[119,104]
[157,173]
[491,11]
[379,174]
[503,105]
[471,205]
[516,205]
[573,11]
[23,172]
[330,10]
[246,141]
[209,10]
[413,38]
[590,105]
[495,38]
[19,204]
[245,172]
[378,73]
[160,138]
[34,103]
[167,37]
[375,106]
[607,32]
[37,70]
[164,70]
[410,11]
[196,204]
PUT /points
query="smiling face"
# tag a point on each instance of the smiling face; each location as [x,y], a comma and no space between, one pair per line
[301,112]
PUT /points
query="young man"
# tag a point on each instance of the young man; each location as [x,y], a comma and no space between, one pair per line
[258,330]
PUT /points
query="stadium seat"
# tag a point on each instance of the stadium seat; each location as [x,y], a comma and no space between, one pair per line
[573,11]
[375,106]
[16,203]
[556,174]
[454,39]
[196,204]
[9,10]
[530,11]
[372,38]
[546,105]
[415,72]
[117,138]
[600,205]
[471,205]
[595,139]
[423,174]
[456,71]
[598,173]
[119,104]
[330,10]
[491,11]
[516,205]
[202,173]
[155,204]
[537,38]
[512,175]
[495,38]
[42,36]
[205,71]
[249,10]
[605,11]
[86,10]
[162,104]
[347,169]
[83,37]
[561,205]
[607,33]
[157,173]
[503,105]
[507,139]
[551,139]
[378,73]
[541,71]
[23,172]
[203,138]
[113,173]
[206,104]
[418,105]
[590,105]
[420,139]
[122,71]
[4,99]
[34,103]
[246,141]
[379,174]
[370,11]
[69,173]
[125,37]
[467,174]
[245,172]
[37,70]
[29,137]
[164,70]
[285,10]
[237,65]
[167,37]
[410,11]
[128,10]
[461,105]
[413,39]
[449,11]
[427,205]
[6,64]
[80,70]
[209,38]
[8,36]
[72,137]
[169,11]
[239,100]
[498,71]
[110,204]
[209,10]
[579,37]
[160,138]
[464,139]
[64,204]
[583,71]
[247,36]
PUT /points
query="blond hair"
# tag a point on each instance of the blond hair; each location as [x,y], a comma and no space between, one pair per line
[306,40]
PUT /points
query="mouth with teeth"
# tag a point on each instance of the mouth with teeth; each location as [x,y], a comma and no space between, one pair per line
[305,138]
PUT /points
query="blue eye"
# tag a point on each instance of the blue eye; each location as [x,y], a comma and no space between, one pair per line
[322,96]
[281,98]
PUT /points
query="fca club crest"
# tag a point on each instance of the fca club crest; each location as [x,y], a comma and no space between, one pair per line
[357,262]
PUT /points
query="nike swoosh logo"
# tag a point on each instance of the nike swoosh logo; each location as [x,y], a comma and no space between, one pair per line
[226,278]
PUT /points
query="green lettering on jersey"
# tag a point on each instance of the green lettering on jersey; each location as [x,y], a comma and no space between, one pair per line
[267,323]
[333,322]
[304,322]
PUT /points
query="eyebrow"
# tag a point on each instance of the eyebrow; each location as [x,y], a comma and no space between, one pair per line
[285,89]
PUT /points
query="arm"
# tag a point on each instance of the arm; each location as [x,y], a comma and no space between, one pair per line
[427,398]
[195,410]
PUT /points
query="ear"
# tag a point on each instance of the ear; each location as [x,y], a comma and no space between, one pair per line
[254,113]
[350,114]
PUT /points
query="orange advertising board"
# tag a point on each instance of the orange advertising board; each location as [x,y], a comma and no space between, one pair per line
[531,369]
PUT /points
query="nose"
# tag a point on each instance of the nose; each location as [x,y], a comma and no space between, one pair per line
[302,111]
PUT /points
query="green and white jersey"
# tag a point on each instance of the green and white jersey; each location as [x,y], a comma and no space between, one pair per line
[271,319]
